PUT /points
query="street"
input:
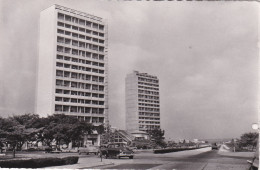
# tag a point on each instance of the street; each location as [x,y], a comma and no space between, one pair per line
[203,159]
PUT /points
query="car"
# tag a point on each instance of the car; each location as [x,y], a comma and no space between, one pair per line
[88,149]
[52,150]
[214,146]
[117,150]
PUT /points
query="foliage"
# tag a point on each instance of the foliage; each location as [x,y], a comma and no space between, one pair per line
[17,130]
[39,162]
[64,128]
[168,150]
[108,136]
[248,140]
[157,136]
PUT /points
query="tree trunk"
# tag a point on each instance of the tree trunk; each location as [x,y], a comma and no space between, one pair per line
[14,152]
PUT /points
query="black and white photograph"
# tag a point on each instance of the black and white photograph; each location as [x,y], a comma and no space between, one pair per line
[129,84]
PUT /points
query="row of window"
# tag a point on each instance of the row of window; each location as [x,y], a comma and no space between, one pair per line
[91,119]
[75,43]
[80,61]
[149,122]
[148,80]
[72,51]
[148,97]
[81,101]
[81,68]
[148,127]
[146,75]
[148,118]
[149,84]
[148,114]
[80,21]
[148,88]
[148,101]
[79,93]
[148,109]
[90,56]
[150,105]
[83,30]
[78,109]
[73,84]
[79,76]
[78,36]
[148,92]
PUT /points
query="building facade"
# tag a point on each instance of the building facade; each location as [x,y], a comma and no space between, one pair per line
[142,102]
[72,66]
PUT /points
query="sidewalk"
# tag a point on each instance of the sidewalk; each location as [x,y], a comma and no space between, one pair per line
[237,154]
[226,151]
[85,163]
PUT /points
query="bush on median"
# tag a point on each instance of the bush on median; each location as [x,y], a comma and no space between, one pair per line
[39,162]
[168,150]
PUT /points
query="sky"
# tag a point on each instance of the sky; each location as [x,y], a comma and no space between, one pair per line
[205,55]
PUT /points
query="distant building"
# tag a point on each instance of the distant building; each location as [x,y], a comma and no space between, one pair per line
[72,67]
[142,102]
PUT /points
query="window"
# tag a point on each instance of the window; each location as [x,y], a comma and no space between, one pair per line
[67,26]
[60,31]
[60,24]
[101,27]
[67,18]
[60,16]
[95,33]
[95,25]
[88,23]
[81,22]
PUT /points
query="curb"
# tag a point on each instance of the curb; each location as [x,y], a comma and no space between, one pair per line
[97,166]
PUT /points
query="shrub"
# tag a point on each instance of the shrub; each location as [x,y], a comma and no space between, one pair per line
[70,160]
[38,163]
[168,150]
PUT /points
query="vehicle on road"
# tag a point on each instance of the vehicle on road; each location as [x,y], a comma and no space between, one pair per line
[117,150]
[214,146]
[52,150]
[88,149]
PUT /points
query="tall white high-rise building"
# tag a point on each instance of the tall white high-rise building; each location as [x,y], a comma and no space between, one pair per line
[72,67]
[142,102]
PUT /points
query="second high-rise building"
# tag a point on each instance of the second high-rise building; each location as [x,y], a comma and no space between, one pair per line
[142,102]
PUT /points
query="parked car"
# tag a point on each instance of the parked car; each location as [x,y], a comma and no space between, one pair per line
[88,150]
[52,150]
[32,149]
[117,150]
[214,146]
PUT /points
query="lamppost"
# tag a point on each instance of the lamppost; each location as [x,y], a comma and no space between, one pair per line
[254,163]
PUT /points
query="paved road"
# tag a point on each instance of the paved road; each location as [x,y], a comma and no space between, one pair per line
[205,160]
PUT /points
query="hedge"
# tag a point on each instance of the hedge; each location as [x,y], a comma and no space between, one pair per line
[39,162]
[168,150]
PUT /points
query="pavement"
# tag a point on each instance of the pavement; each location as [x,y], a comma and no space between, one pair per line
[91,162]
[86,163]
[226,151]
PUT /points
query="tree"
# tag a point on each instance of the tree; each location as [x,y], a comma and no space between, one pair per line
[62,128]
[17,130]
[157,136]
[248,140]
[14,133]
